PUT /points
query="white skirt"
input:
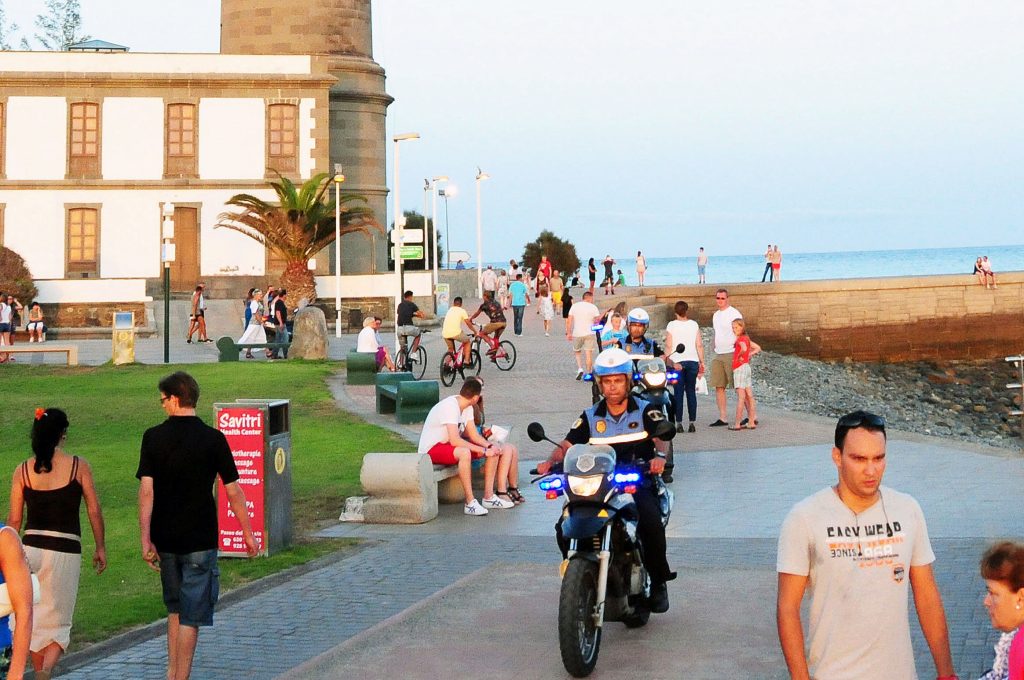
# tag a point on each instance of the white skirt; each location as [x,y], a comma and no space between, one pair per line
[58,574]
[253,335]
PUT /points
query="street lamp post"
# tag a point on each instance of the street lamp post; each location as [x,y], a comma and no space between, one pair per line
[166,257]
[480,176]
[399,221]
[338,179]
[450,191]
[433,221]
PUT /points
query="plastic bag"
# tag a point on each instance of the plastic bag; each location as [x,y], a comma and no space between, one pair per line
[702,385]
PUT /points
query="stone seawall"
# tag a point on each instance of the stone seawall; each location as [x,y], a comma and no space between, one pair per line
[883,319]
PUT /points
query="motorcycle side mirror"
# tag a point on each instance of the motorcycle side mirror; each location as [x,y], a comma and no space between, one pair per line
[536,432]
[680,348]
[664,431]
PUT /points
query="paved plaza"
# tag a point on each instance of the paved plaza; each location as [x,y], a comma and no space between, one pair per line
[463,596]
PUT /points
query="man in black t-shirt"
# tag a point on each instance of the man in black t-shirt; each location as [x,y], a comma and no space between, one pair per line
[180,460]
[281,321]
[407,309]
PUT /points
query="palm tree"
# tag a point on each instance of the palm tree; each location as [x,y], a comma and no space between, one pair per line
[299,226]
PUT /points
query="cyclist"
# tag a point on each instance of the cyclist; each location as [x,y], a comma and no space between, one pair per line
[407,309]
[496,324]
[637,322]
[452,329]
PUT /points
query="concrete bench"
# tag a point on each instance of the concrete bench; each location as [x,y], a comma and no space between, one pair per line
[409,399]
[405,488]
[70,351]
[229,349]
[360,368]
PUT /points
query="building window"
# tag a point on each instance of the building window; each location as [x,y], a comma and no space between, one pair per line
[84,141]
[181,141]
[283,138]
[83,243]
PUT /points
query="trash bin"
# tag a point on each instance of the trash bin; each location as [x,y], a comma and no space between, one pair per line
[259,434]
[123,350]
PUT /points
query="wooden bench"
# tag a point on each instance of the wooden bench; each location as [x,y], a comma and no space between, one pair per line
[409,399]
[404,488]
[229,349]
[360,368]
[70,351]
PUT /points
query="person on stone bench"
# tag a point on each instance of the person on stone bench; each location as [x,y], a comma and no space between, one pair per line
[485,430]
[369,342]
[442,441]
[36,327]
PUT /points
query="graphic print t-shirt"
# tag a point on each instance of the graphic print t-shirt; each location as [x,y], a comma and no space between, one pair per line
[859,569]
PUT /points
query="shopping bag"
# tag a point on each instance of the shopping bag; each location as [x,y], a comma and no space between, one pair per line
[702,385]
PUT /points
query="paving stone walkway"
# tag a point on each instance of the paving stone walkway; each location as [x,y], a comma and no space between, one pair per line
[477,596]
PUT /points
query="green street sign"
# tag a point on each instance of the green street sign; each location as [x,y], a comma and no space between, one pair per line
[412,252]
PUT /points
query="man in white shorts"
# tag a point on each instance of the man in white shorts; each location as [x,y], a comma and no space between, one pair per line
[579,331]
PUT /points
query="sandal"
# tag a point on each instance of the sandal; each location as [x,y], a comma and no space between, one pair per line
[735,429]
[513,493]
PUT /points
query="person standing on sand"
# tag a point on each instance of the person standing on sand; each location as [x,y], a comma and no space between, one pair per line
[768,256]
[776,264]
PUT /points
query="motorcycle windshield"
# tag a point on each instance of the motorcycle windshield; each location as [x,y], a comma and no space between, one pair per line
[589,459]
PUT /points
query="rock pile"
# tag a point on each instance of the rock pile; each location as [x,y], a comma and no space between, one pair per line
[966,400]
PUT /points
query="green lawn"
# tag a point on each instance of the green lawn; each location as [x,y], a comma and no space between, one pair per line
[109,409]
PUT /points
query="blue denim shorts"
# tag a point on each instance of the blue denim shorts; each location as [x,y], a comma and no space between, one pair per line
[191,584]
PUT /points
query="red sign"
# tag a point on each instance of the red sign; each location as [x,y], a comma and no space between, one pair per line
[244,428]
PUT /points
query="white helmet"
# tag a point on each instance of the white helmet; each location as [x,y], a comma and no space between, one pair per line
[639,315]
[613,361]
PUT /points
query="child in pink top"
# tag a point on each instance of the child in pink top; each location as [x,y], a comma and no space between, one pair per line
[741,379]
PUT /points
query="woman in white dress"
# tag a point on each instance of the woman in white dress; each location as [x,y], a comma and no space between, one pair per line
[254,333]
[641,267]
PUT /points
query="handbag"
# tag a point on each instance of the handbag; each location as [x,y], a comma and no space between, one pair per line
[5,597]
[702,385]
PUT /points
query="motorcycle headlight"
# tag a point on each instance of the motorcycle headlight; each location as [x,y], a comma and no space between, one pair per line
[585,486]
[654,379]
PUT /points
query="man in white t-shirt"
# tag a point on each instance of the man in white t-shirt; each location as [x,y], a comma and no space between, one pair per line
[857,546]
[580,332]
[442,440]
[489,279]
[721,362]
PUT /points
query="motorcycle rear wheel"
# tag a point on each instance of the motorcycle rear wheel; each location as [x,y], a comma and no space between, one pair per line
[578,637]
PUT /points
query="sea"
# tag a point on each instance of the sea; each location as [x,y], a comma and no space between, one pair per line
[666,271]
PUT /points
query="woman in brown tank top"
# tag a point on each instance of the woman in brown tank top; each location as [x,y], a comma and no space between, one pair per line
[51,486]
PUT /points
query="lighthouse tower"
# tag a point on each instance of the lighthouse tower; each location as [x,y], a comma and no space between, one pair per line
[341,30]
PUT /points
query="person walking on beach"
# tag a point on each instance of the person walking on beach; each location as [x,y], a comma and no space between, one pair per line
[179,461]
[609,275]
[768,265]
[579,331]
[741,378]
[592,274]
[725,343]
[858,546]
[690,362]
[702,265]
[641,268]
[51,486]
[776,264]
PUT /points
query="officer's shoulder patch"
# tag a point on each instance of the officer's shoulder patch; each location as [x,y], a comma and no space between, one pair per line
[655,416]
[579,421]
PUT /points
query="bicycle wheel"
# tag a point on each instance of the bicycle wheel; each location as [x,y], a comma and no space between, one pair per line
[505,359]
[448,369]
[418,363]
[474,365]
[402,360]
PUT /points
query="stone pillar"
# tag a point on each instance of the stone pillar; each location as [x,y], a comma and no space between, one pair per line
[340,29]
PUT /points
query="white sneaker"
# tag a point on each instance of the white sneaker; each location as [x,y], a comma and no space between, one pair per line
[547,335]
[497,503]
[475,508]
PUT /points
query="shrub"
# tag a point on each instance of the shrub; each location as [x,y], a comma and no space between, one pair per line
[562,254]
[15,278]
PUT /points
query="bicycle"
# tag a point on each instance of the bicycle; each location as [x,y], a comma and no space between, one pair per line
[412,359]
[451,363]
[503,354]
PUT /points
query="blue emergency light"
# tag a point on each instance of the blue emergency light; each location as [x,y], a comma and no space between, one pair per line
[553,484]
[627,477]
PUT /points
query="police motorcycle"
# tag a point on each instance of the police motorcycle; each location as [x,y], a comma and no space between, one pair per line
[603,577]
[651,377]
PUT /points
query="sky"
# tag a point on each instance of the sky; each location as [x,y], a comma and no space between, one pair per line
[665,125]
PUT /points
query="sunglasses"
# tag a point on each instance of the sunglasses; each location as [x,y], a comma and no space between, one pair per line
[860,419]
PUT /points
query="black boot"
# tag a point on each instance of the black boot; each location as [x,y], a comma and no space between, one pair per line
[658,601]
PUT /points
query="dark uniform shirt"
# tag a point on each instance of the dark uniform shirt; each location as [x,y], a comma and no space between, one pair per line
[644,346]
[625,452]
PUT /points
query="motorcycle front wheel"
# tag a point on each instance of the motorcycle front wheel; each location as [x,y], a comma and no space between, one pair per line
[578,635]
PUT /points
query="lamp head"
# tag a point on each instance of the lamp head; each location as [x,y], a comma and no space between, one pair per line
[405,136]
[481,175]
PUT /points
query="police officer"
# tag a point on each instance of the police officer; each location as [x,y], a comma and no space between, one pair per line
[638,432]
[637,322]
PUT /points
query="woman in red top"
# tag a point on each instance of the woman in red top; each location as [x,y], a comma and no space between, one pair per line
[741,379]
